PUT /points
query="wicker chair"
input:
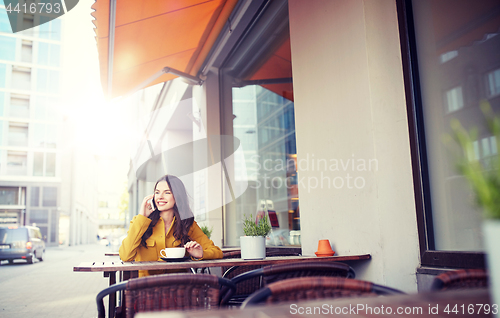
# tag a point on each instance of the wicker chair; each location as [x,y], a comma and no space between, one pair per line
[249,286]
[273,273]
[168,292]
[461,279]
[308,288]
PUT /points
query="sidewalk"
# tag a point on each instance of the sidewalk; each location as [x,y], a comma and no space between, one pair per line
[51,288]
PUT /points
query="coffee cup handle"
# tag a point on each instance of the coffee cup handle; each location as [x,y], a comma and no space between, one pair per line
[163,253]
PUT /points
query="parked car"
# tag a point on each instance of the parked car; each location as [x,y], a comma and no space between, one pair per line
[21,242]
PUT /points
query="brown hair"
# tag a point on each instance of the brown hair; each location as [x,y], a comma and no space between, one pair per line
[183,215]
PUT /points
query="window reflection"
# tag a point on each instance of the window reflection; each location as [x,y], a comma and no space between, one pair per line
[265,125]
[457,48]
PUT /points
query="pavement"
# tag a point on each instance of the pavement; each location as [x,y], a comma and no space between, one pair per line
[50,288]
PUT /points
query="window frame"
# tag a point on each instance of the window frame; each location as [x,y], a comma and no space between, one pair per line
[429,257]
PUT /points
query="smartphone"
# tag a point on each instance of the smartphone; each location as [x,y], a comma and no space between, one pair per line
[151,204]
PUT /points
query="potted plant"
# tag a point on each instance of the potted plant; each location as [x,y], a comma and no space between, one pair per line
[207,231]
[484,179]
[253,244]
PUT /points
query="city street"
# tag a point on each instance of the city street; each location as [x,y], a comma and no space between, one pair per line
[51,288]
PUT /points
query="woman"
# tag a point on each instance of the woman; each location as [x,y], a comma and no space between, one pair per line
[167,222]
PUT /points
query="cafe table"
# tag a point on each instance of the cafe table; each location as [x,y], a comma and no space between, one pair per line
[471,303]
[127,268]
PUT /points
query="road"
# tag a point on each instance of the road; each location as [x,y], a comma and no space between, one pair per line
[51,288]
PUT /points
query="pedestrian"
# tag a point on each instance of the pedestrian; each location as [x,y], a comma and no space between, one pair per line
[165,220]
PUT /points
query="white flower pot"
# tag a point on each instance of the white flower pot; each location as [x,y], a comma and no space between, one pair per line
[253,247]
[491,230]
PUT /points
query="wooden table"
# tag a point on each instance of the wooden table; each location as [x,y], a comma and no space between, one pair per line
[110,268]
[435,305]
[120,266]
[231,249]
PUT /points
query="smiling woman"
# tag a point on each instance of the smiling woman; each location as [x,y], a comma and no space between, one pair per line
[165,220]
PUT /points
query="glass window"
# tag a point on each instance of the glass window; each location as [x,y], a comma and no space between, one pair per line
[49,54]
[42,80]
[40,105]
[49,30]
[9,196]
[4,21]
[45,135]
[262,105]
[18,134]
[44,27]
[53,225]
[17,163]
[3,75]
[43,53]
[54,82]
[35,196]
[1,134]
[55,29]
[269,161]
[38,164]
[2,105]
[50,166]
[49,196]
[8,51]
[21,78]
[494,82]
[38,136]
[28,24]
[27,51]
[457,47]
[55,54]
[19,106]
[454,99]
[39,216]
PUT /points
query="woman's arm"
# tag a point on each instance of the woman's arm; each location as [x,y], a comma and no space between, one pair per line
[131,243]
[208,248]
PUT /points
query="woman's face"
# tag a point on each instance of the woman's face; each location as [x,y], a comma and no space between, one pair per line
[164,199]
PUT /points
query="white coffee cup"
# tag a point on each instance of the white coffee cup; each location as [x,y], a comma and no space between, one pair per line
[173,252]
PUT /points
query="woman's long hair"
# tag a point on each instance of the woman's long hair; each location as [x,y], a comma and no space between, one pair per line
[183,215]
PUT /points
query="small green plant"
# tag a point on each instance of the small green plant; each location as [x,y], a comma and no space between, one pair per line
[251,228]
[484,180]
[206,230]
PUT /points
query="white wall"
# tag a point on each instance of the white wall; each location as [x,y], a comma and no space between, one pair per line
[350,104]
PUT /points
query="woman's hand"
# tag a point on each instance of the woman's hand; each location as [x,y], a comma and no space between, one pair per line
[146,208]
[194,248]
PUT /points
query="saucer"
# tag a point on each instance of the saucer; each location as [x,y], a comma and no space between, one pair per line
[178,259]
[324,254]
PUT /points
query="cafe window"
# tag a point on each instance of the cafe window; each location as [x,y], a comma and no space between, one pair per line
[450,49]
[258,77]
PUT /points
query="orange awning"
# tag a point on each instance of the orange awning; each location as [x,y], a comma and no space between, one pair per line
[279,65]
[154,34]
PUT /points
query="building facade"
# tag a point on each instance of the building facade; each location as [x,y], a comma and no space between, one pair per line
[39,166]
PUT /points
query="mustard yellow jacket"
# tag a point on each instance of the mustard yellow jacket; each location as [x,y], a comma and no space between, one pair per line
[131,248]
